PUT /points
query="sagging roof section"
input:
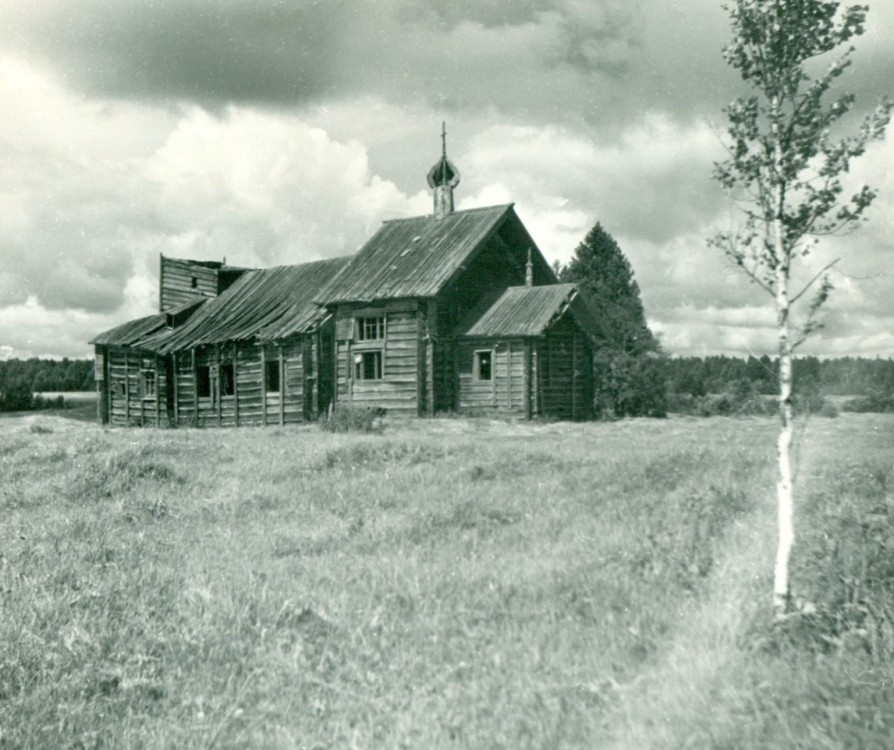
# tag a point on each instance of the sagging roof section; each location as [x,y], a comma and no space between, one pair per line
[303,312]
[273,300]
[528,311]
[265,304]
[415,257]
[130,333]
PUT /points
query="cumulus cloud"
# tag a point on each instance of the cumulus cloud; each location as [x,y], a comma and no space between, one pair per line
[272,132]
[28,329]
[66,195]
[538,61]
[84,217]
[202,50]
[651,186]
[266,190]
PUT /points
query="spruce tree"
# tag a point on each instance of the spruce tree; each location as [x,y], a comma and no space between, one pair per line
[600,268]
[628,382]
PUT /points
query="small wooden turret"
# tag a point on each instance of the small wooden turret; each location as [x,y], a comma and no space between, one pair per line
[442,178]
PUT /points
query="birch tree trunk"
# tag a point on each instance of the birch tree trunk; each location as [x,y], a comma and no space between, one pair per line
[788,170]
[784,491]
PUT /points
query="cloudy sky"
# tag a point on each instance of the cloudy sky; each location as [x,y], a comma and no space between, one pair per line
[269,132]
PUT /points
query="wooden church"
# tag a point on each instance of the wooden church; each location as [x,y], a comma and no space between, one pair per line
[456,311]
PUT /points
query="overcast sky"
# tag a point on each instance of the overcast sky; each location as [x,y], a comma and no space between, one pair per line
[269,132]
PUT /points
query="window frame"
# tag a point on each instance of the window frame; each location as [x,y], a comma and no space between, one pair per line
[272,368]
[203,376]
[226,376]
[377,357]
[476,364]
[148,384]
[370,328]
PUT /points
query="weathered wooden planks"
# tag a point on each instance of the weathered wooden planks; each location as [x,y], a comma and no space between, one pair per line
[402,351]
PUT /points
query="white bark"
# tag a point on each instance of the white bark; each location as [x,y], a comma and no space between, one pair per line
[784,492]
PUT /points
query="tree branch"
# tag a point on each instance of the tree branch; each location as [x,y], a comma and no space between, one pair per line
[812,281]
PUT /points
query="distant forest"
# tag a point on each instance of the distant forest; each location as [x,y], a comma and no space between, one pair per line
[684,377]
[40,375]
[845,376]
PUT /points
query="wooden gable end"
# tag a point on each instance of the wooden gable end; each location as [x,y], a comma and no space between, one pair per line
[380,356]
[498,264]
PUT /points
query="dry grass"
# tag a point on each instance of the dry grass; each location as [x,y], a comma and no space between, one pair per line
[447,583]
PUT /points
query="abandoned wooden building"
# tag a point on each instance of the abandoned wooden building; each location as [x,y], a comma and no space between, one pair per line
[457,311]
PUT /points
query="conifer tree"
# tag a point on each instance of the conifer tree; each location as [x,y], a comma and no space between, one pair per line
[628,382]
[600,268]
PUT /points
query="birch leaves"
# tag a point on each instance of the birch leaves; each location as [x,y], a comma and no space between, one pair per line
[785,168]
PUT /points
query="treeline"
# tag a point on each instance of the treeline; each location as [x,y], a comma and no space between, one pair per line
[845,376]
[39,375]
[654,385]
[626,385]
[22,381]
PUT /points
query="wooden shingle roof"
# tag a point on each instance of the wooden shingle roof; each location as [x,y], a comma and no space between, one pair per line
[528,311]
[266,304]
[131,333]
[415,257]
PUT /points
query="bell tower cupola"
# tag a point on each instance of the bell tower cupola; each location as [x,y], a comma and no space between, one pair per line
[442,178]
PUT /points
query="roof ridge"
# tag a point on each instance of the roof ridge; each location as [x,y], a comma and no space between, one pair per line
[302,265]
[462,211]
[544,286]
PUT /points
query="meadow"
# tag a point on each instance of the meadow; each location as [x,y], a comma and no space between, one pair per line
[443,584]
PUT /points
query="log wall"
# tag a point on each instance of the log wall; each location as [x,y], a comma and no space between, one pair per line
[564,374]
[125,401]
[508,389]
[252,403]
[176,286]
[401,388]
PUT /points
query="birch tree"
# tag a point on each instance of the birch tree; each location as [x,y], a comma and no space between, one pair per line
[787,159]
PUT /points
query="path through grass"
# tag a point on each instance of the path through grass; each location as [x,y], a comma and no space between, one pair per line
[449,583]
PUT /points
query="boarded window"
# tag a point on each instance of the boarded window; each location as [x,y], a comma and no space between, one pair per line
[147,384]
[483,365]
[203,381]
[344,328]
[371,328]
[368,365]
[271,376]
[228,379]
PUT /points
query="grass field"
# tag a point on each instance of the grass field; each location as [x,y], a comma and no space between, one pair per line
[444,584]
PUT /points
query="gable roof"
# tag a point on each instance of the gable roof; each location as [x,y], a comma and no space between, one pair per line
[303,311]
[528,311]
[130,333]
[415,257]
[266,304]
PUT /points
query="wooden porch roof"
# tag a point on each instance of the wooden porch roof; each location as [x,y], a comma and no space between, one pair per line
[528,311]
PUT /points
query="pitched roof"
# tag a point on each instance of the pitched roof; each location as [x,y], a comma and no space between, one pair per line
[267,304]
[527,311]
[414,257]
[130,333]
[303,311]
[270,303]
